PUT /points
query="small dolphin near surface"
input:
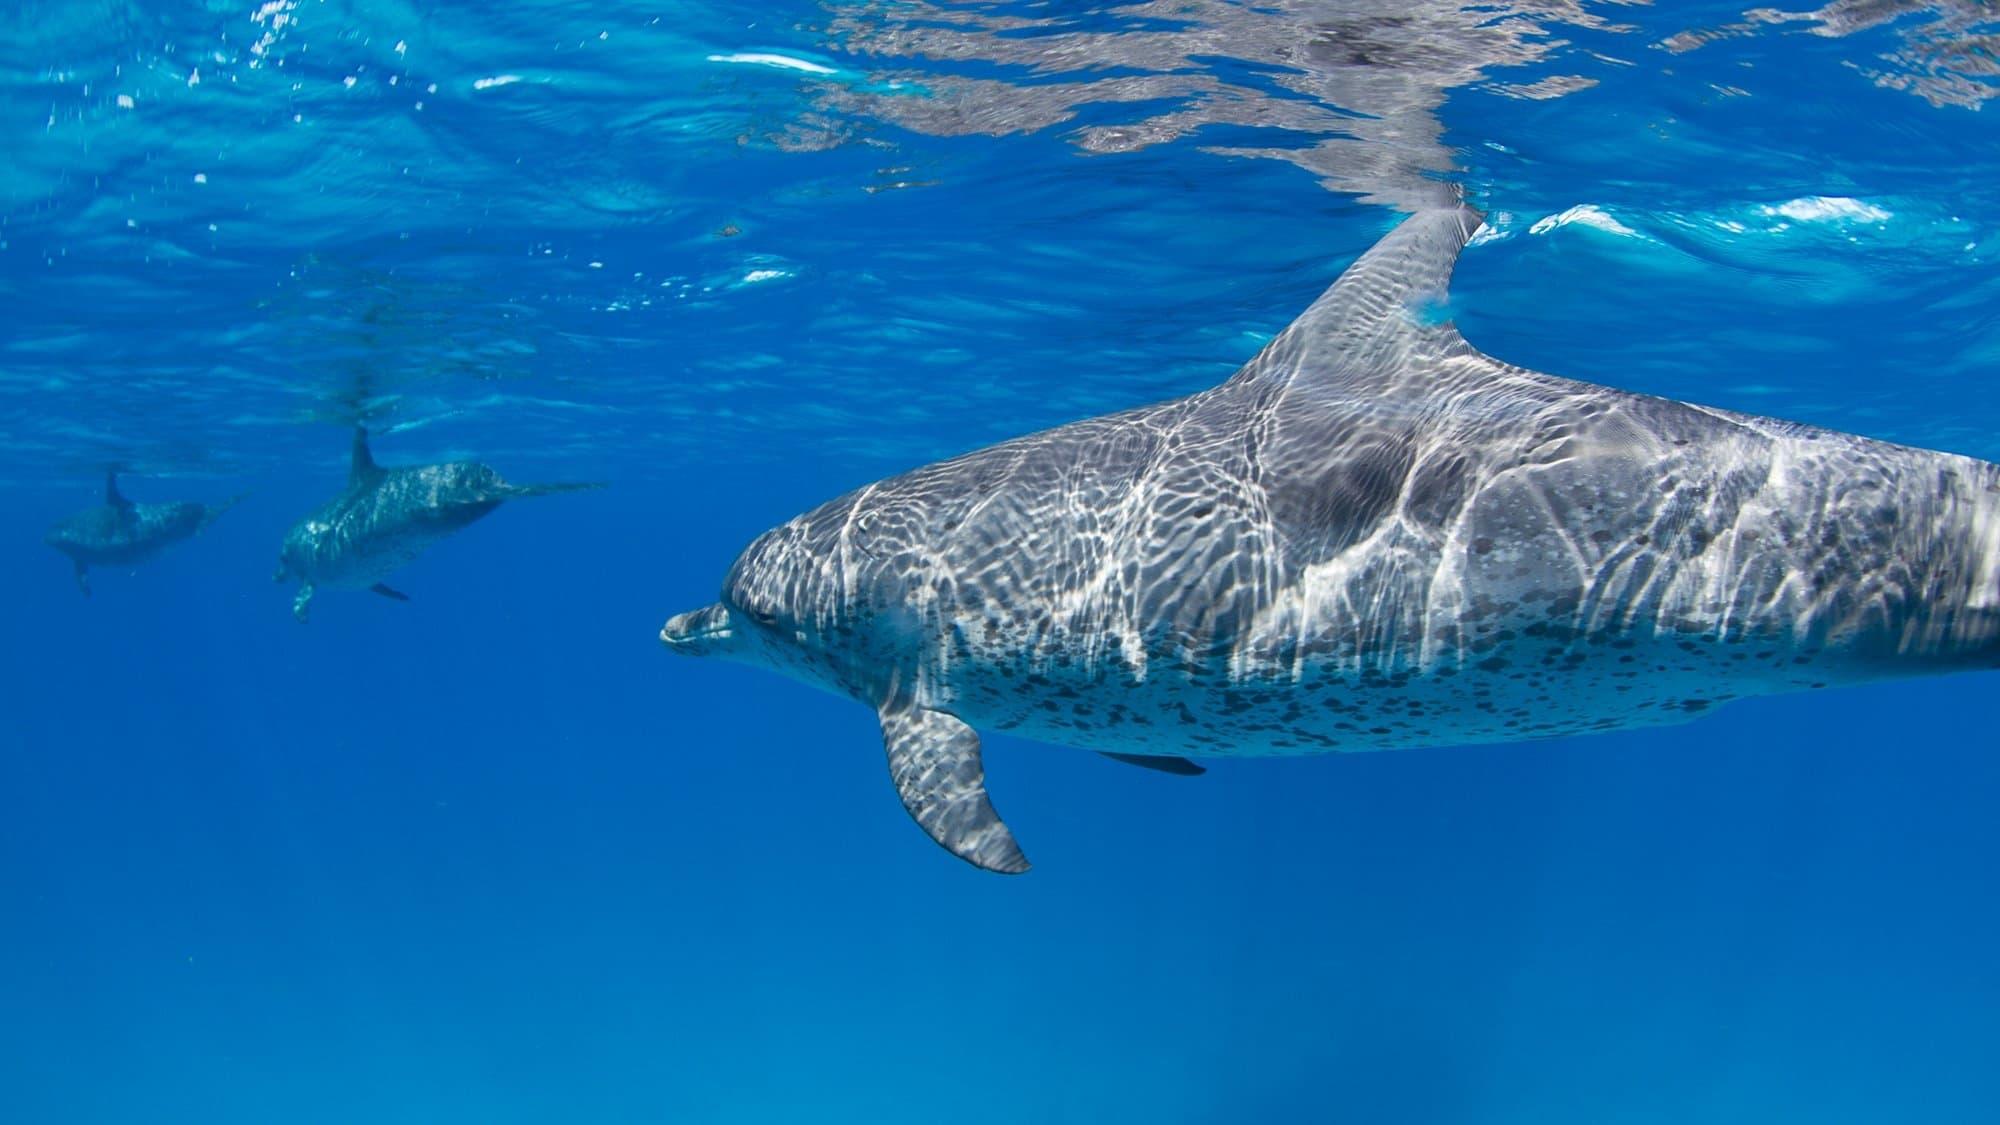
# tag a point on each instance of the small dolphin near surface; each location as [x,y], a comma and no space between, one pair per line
[386,518]
[1373,536]
[119,532]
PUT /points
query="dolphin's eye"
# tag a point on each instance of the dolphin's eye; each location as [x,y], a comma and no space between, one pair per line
[762,616]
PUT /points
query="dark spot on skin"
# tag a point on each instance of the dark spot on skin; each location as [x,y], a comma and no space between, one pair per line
[1481,545]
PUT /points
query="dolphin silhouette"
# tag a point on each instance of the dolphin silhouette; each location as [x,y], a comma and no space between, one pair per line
[119,532]
[385,518]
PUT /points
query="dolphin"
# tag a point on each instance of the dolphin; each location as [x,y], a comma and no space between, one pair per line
[119,532]
[1373,536]
[386,518]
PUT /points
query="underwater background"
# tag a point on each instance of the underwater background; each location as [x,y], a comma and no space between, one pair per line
[493,856]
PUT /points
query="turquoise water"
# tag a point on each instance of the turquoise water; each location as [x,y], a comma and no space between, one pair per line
[491,856]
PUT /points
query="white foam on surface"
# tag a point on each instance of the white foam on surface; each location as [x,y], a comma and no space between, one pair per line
[1829,208]
[1583,214]
[782,62]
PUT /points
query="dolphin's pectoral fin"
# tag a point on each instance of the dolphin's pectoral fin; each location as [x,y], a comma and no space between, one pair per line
[302,602]
[82,576]
[934,760]
[384,589]
[1165,763]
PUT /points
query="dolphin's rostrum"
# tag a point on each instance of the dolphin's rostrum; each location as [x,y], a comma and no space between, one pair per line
[1372,536]
[119,532]
[386,518]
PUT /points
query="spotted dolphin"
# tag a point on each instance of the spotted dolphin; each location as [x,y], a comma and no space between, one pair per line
[385,518]
[119,532]
[1373,536]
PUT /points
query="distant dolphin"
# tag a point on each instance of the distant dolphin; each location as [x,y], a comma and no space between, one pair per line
[119,532]
[1373,536]
[386,518]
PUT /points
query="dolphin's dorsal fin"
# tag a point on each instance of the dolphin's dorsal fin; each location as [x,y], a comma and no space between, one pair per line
[363,468]
[112,496]
[934,761]
[1382,312]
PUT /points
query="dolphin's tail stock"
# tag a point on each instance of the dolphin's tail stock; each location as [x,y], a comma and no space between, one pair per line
[520,490]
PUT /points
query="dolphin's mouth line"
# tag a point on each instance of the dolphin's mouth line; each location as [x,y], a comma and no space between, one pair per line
[698,629]
[712,633]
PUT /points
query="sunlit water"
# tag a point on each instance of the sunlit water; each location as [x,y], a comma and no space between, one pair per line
[491,856]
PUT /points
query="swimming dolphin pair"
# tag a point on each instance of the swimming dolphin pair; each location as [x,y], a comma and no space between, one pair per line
[119,532]
[1373,536]
[385,518]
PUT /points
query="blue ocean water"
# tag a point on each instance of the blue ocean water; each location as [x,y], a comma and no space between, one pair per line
[492,856]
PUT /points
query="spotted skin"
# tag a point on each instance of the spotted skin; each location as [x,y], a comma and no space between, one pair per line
[1374,537]
[385,518]
[120,532]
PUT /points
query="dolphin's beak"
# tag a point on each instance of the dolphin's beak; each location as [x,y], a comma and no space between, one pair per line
[699,632]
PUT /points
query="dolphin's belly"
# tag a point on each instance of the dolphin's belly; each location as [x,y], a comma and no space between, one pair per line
[107,538]
[345,557]
[1514,690]
[116,551]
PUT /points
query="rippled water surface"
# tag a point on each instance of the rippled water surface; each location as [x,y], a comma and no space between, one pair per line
[487,856]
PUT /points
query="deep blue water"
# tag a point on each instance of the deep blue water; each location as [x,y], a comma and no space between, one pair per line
[492,856]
